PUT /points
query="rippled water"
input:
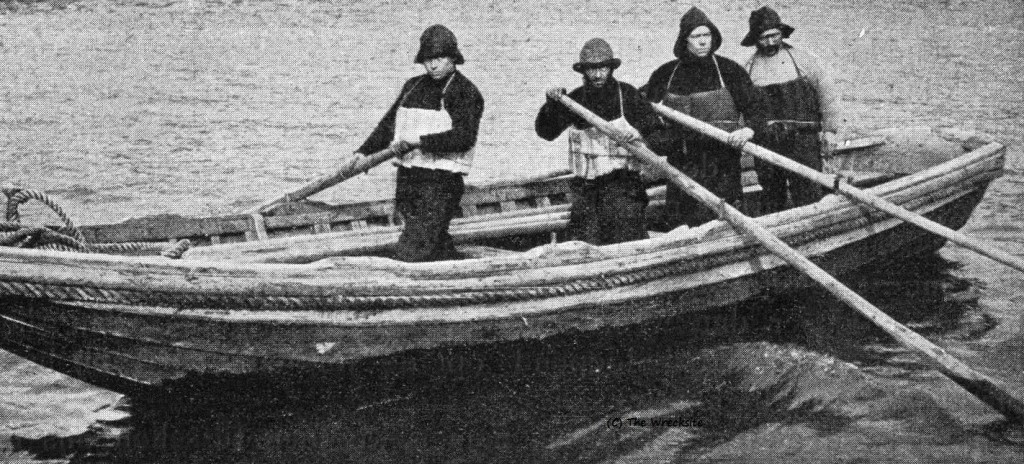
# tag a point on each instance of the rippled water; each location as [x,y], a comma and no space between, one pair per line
[128,108]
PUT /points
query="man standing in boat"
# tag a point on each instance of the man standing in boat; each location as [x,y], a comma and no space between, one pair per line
[802,105]
[608,195]
[434,121]
[713,89]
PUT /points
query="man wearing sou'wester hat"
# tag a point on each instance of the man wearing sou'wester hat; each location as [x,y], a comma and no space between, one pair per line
[802,105]
[434,121]
[608,195]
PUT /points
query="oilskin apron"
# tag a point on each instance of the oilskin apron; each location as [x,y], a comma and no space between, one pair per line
[712,164]
[608,196]
[411,123]
[792,104]
[714,107]
[794,120]
[429,186]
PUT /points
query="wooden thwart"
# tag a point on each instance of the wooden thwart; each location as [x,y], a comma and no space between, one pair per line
[974,382]
[840,185]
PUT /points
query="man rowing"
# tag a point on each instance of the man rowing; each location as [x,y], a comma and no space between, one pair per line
[434,121]
[713,89]
[608,195]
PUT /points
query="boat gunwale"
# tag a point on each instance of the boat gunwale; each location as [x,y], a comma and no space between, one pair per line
[514,286]
[444,315]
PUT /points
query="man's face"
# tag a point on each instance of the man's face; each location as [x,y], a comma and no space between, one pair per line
[699,41]
[769,42]
[597,77]
[440,67]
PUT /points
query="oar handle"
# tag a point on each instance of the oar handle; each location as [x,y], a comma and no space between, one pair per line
[355,166]
[976,383]
[841,186]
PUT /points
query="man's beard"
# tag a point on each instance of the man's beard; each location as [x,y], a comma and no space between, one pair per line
[769,50]
[590,84]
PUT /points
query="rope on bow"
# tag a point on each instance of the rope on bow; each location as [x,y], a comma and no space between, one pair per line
[69,237]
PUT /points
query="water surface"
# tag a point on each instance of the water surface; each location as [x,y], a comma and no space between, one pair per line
[127,108]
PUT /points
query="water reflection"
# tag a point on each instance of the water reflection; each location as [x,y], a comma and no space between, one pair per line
[921,293]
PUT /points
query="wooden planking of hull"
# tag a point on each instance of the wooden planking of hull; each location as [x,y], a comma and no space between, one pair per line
[132,322]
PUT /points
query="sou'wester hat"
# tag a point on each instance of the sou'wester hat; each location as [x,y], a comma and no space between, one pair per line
[763,19]
[596,53]
[438,41]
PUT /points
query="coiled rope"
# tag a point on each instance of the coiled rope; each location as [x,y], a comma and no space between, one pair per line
[69,237]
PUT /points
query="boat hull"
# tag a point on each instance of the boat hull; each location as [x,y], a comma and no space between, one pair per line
[133,350]
[135,324]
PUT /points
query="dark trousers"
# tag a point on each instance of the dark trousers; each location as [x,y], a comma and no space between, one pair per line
[608,209]
[802,147]
[712,164]
[427,199]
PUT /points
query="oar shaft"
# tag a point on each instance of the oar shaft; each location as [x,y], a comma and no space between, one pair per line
[355,166]
[521,180]
[835,182]
[975,382]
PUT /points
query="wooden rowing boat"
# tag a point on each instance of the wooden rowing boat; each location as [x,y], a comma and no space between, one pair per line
[309,286]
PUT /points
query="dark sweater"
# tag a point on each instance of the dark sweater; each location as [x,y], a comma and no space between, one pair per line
[554,117]
[462,100]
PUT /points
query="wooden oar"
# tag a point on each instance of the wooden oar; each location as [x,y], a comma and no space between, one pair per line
[521,180]
[837,183]
[355,166]
[974,382]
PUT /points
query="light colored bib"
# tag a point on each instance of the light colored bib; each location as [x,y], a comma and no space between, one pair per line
[593,154]
[411,123]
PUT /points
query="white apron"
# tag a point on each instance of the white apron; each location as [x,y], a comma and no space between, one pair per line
[411,123]
[593,154]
